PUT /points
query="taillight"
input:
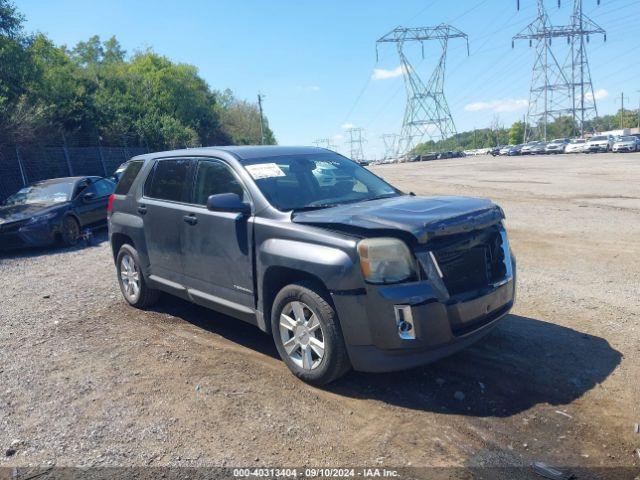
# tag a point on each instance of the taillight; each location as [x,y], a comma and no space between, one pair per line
[110,203]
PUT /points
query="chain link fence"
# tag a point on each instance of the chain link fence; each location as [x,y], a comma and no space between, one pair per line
[21,165]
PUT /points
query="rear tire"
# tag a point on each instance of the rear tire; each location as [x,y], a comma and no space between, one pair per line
[307,334]
[132,283]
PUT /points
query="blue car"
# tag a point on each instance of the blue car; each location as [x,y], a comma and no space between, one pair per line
[55,210]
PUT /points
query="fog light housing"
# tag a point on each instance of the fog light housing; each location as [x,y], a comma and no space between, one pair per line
[404,322]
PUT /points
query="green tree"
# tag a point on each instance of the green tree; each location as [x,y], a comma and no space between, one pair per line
[93,91]
[561,127]
[11,20]
[240,120]
[516,133]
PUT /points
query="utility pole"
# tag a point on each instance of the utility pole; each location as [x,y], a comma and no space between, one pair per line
[260,97]
[426,111]
[355,144]
[21,167]
[622,110]
[559,89]
[66,153]
[638,91]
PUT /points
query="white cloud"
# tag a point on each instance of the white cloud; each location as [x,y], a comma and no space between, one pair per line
[597,95]
[509,105]
[383,74]
[347,126]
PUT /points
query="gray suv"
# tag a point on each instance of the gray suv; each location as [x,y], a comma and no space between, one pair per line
[342,269]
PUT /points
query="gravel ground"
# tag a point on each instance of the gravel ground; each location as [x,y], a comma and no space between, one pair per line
[87,381]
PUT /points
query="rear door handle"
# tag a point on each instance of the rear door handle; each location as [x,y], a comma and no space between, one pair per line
[142,209]
[191,219]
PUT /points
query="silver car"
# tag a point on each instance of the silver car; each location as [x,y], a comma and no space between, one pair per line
[626,144]
[557,145]
[526,148]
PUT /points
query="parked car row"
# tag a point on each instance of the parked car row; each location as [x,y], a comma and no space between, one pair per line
[597,143]
[438,156]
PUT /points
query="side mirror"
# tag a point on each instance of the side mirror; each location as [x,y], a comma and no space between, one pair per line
[227,202]
[87,197]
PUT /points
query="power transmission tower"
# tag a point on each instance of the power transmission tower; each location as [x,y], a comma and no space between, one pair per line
[355,144]
[559,89]
[324,143]
[581,27]
[390,141]
[426,112]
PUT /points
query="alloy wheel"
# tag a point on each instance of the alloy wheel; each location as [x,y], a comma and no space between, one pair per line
[130,277]
[302,336]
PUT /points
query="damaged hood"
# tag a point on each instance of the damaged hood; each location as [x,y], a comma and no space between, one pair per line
[422,217]
[16,213]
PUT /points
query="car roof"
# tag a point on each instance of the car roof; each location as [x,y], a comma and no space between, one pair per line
[51,181]
[243,152]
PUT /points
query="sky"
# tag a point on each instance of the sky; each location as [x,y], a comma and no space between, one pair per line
[315,61]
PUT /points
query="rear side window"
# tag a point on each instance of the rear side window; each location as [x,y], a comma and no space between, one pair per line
[129,175]
[168,181]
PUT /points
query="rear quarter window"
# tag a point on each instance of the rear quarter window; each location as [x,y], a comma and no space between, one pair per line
[130,173]
[168,180]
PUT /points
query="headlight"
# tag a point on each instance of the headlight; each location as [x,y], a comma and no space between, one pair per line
[385,260]
[42,218]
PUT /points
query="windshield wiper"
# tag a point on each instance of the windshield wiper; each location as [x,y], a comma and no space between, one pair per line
[380,197]
[319,206]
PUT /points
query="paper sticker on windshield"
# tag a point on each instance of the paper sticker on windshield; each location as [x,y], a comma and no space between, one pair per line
[265,170]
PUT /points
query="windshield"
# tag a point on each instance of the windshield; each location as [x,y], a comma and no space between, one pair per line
[579,140]
[42,193]
[302,182]
[627,139]
[599,138]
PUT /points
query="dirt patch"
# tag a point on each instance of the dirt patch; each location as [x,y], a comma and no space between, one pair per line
[86,380]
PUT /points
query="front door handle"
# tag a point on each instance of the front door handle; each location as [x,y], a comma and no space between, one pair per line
[142,209]
[191,219]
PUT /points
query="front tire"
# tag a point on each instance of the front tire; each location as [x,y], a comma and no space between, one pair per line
[132,283]
[70,232]
[307,334]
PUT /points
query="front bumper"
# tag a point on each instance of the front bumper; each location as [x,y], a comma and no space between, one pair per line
[26,235]
[624,148]
[441,325]
[598,148]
